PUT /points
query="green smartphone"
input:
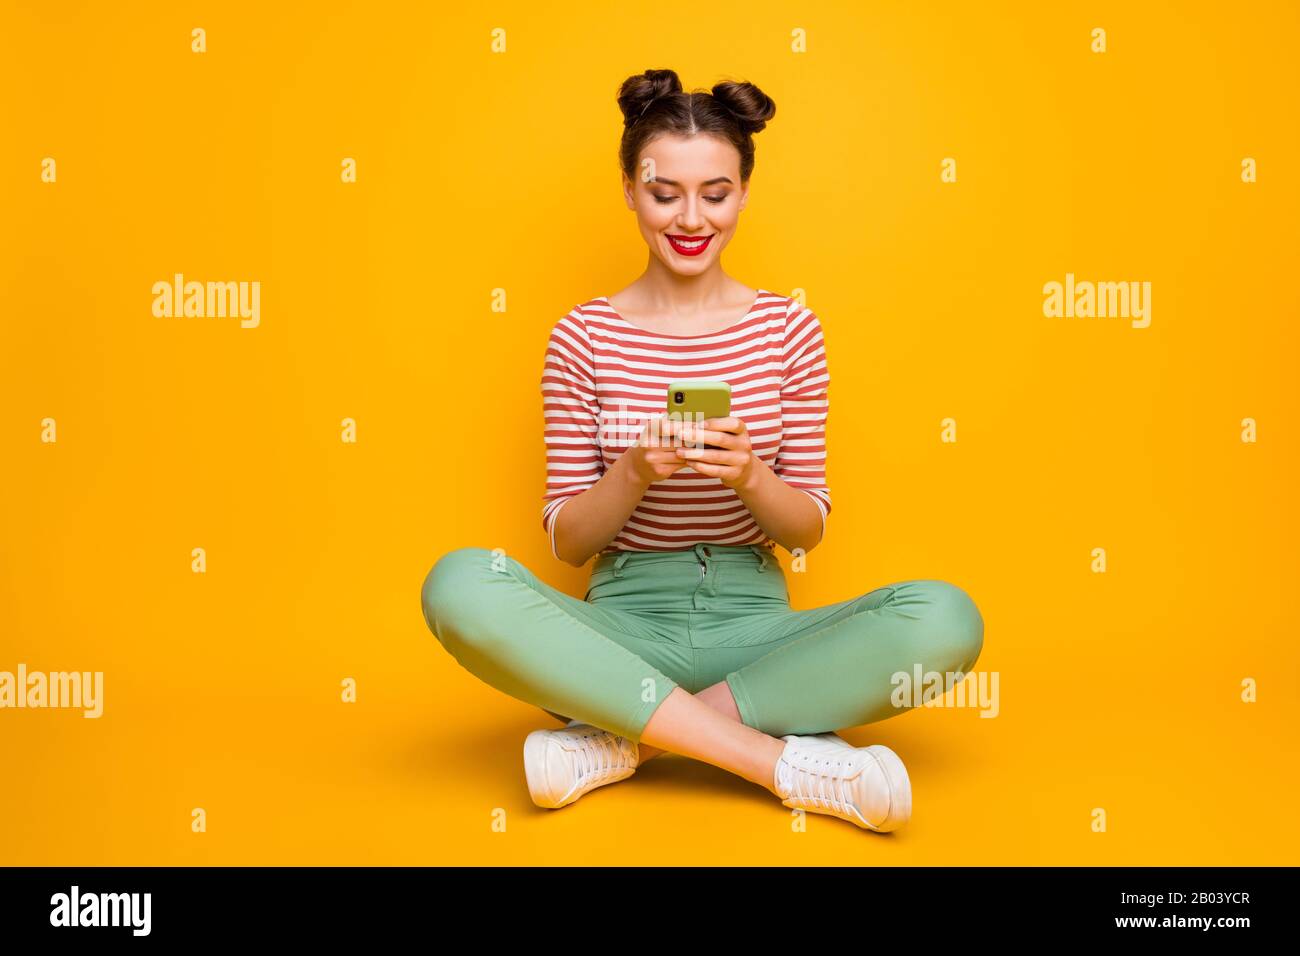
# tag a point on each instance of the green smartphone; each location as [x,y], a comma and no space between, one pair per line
[693,401]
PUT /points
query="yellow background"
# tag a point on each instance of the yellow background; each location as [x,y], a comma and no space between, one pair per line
[479,171]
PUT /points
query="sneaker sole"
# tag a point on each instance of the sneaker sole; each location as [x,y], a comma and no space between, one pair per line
[900,788]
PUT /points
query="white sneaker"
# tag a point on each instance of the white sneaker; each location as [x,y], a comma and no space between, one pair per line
[562,765]
[868,786]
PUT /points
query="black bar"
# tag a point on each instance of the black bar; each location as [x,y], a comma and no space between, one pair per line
[929,905]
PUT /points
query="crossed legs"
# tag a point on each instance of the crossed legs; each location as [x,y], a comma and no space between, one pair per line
[830,670]
[676,722]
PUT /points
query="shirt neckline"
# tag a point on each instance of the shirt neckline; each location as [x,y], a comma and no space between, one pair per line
[699,335]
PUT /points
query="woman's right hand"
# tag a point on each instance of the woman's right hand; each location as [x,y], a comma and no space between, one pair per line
[654,456]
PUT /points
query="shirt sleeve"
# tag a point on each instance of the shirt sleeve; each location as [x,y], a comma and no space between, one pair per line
[805,407]
[571,416]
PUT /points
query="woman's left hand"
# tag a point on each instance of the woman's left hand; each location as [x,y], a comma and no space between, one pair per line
[733,463]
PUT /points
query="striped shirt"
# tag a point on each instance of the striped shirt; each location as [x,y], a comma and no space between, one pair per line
[604,377]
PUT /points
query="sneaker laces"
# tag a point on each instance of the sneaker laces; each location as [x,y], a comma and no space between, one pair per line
[822,788]
[598,756]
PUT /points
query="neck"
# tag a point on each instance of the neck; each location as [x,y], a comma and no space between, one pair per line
[665,291]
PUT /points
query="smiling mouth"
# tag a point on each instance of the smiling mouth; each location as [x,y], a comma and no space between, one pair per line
[689,245]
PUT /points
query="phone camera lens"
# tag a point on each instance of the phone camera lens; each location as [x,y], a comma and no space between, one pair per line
[678,398]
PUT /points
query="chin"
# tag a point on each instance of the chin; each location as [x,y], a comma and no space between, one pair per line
[693,269]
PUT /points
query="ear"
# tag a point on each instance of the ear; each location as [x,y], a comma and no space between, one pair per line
[629,192]
[744,195]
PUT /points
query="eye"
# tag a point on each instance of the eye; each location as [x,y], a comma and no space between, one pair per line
[667,199]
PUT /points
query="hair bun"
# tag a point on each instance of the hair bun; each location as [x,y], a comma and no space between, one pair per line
[751,105]
[639,91]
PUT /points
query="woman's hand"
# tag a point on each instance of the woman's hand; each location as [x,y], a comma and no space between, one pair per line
[654,456]
[733,463]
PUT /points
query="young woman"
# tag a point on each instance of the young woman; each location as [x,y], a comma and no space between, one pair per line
[685,640]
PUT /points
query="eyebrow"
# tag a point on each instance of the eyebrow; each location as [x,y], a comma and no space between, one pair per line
[707,182]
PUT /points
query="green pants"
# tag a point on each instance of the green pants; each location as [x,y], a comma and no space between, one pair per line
[652,621]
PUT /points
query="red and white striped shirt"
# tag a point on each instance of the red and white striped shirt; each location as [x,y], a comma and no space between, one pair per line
[604,377]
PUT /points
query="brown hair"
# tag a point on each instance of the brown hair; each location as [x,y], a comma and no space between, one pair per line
[654,102]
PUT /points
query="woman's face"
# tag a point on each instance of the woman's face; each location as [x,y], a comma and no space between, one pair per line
[687,189]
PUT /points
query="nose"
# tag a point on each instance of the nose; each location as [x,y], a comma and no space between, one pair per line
[691,218]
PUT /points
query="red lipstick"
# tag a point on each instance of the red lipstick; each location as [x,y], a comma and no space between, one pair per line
[689,245]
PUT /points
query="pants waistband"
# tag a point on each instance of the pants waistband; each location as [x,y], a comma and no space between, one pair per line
[701,553]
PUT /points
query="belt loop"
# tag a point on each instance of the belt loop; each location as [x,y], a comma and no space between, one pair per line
[619,562]
[762,556]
